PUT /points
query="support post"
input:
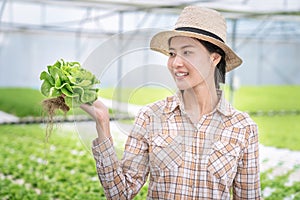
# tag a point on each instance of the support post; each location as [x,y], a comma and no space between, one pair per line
[232,73]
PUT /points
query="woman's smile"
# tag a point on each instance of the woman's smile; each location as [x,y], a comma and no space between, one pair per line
[181,74]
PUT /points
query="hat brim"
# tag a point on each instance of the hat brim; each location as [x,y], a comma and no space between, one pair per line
[159,42]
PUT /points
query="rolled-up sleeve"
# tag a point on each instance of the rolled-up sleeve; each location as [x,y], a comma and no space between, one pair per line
[123,179]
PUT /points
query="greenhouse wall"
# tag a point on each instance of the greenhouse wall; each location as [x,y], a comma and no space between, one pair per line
[23,56]
[269,48]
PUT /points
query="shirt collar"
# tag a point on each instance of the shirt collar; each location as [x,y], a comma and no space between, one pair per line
[223,105]
[176,102]
[173,102]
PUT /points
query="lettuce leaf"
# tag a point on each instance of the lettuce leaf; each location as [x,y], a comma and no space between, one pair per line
[77,84]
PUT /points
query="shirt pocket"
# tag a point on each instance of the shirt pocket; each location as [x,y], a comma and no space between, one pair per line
[166,152]
[222,162]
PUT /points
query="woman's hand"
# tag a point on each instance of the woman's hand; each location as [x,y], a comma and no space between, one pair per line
[99,112]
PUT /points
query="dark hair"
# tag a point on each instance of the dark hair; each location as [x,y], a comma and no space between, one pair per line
[221,66]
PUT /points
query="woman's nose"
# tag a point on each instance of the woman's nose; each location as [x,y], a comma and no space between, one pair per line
[178,61]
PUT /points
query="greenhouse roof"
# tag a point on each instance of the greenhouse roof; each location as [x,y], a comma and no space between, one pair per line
[50,15]
[247,8]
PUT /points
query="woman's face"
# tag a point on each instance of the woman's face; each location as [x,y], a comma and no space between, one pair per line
[190,63]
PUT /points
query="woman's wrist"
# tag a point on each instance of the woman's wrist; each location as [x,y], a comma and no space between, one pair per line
[103,134]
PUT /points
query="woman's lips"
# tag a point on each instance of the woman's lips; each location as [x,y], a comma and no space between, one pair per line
[181,74]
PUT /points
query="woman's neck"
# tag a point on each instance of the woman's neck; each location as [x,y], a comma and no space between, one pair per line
[200,100]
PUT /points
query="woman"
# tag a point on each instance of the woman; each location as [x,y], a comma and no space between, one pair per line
[194,145]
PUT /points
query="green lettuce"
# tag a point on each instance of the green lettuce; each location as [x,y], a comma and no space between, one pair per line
[70,80]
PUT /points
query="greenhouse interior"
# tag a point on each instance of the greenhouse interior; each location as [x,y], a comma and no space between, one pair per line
[111,38]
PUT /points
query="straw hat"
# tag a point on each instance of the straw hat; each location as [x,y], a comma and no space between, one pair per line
[202,23]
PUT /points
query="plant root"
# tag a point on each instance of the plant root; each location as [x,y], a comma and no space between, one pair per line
[50,106]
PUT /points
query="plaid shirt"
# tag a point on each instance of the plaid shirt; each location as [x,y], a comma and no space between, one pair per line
[185,160]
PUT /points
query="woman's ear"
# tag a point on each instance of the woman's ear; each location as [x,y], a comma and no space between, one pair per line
[215,58]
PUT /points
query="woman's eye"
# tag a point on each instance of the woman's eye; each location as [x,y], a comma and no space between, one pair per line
[171,54]
[187,52]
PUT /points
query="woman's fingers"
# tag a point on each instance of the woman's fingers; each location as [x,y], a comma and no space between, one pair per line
[99,104]
[89,109]
[98,111]
[101,111]
[100,114]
